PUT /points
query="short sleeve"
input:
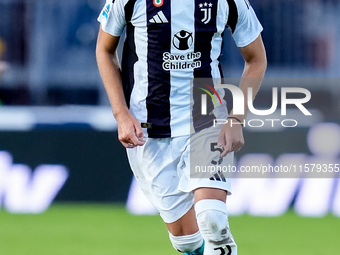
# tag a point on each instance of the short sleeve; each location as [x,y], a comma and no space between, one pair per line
[112,17]
[248,27]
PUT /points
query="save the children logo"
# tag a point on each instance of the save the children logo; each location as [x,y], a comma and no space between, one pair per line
[182,40]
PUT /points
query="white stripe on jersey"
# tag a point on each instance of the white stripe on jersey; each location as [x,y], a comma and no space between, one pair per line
[219,112]
[140,90]
[180,81]
[216,44]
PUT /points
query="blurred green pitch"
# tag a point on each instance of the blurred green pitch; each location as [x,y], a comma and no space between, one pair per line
[78,229]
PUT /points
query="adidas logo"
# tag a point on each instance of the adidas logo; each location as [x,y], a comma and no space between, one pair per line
[219,176]
[159,18]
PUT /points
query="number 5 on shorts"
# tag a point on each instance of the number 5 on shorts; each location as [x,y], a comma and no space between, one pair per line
[214,147]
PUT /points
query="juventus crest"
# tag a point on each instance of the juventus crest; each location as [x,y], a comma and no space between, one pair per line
[206,9]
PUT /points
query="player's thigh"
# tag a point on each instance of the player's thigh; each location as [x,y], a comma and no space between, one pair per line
[186,225]
[210,193]
[155,168]
[205,172]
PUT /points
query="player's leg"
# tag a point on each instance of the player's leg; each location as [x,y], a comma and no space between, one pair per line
[186,225]
[212,219]
[185,236]
[209,221]
[210,189]
[155,166]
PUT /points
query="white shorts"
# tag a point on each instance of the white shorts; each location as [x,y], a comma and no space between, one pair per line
[162,169]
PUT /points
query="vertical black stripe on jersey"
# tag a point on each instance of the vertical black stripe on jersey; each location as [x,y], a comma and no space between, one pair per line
[158,98]
[219,57]
[231,23]
[129,53]
[232,16]
[128,9]
[203,37]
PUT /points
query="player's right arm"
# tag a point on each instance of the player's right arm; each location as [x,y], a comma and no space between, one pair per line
[130,133]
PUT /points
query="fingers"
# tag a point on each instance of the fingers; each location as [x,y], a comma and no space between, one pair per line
[226,149]
[127,145]
[132,137]
[131,140]
[221,139]
[139,134]
[231,146]
[225,143]
[230,140]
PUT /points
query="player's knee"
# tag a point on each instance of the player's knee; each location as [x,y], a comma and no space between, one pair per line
[187,243]
[213,224]
[212,220]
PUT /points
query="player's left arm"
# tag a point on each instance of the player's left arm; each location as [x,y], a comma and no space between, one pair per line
[254,54]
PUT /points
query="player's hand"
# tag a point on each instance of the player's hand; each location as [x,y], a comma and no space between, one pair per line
[130,133]
[230,138]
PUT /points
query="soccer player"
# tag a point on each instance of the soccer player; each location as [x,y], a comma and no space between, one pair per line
[170,45]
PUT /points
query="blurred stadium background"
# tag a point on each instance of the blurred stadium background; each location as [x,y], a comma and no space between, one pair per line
[65,184]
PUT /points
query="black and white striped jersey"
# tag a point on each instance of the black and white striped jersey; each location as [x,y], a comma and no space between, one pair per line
[168,44]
